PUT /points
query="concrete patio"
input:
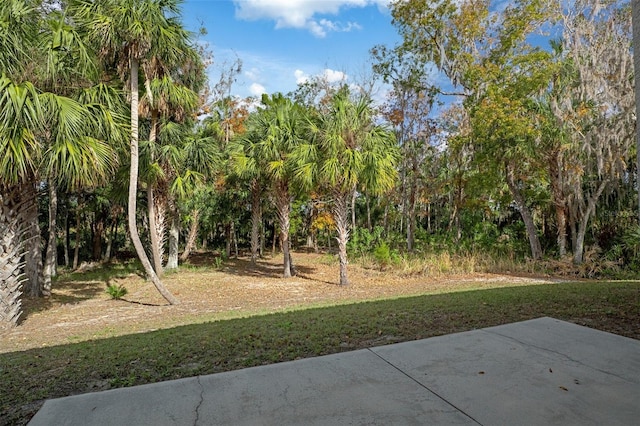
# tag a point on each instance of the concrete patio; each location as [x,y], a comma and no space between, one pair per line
[537,372]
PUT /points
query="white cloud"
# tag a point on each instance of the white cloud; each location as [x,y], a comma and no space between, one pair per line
[301,77]
[257,89]
[333,76]
[253,74]
[302,13]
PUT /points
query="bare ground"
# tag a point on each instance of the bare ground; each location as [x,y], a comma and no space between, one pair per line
[80,309]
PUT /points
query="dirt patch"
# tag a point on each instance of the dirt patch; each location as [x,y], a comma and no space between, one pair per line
[80,310]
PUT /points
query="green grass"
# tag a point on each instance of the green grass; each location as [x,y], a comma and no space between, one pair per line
[29,377]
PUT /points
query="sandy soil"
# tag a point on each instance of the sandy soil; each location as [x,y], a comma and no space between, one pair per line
[80,309]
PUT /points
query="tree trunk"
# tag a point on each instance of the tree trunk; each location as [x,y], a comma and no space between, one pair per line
[133,190]
[283,207]
[76,248]
[33,243]
[353,210]
[112,238]
[227,238]
[234,238]
[635,12]
[154,232]
[559,200]
[98,231]
[67,237]
[174,236]
[411,214]
[11,250]
[193,235]
[369,224]
[256,220]
[51,253]
[340,214]
[578,251]
[532,233]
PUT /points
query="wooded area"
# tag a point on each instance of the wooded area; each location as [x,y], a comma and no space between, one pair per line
[507,132]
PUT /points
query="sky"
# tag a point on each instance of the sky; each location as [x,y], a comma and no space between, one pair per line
[283,42]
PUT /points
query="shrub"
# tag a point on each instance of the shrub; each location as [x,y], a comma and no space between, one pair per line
[116,291]
[384,255]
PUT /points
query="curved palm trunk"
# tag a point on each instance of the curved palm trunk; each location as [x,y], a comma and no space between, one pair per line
[341,216]
[133,190]
[11,250]
[51,253]
[193,234]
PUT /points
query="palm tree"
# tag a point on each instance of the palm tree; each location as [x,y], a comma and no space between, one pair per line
[75,133]
[19,119]
[129,33]
[281,129]
[350,150]
[247,162]
[167,104]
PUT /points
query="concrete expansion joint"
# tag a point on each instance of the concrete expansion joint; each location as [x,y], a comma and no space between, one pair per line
[562,354]
[197,410]
[422,385]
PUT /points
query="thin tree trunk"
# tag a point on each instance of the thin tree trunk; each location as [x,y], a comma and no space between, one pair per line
[559,200]
[234,237]
[227,237]
[67,237]
[51,252]
[411,214]
[133,190]
[534,242]
[273,241]
[33,243]
[353,210]
[154,232]
[369,224]
[193,235]
[174,236]
[256,220]
[76,248]
[340,213]
[283,206]
[98,230]
[112,238]
[578,252]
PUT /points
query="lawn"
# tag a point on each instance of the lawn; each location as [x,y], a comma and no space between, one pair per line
[195,338]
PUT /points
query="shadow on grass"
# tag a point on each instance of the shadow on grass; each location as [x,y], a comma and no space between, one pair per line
[29,377]
[242,266]
[73,287]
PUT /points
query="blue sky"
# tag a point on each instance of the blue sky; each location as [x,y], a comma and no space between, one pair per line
[282,42]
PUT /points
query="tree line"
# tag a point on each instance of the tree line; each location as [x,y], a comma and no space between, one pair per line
[508,131]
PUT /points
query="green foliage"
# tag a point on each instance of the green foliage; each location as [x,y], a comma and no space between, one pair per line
[218,261]
[116,292]
[362,241]
[385,256]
